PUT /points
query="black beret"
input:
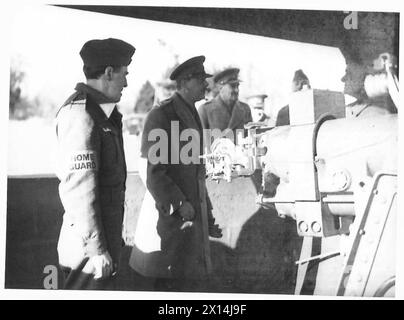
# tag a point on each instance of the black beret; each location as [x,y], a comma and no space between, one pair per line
[299,76]
[107,52]
[229,75]
[189,68]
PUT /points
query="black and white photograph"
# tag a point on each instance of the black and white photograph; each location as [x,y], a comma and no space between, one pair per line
[202,150]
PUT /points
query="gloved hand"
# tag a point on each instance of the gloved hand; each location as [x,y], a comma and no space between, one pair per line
[186,211]
[215,231]
[102,266]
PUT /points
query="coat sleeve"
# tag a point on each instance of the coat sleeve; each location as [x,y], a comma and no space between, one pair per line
[165,191]
[211,219]
[78,154]
[248,114]
[282,119]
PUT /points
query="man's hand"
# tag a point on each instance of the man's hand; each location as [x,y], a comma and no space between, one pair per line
[103,266]
[186,211]
[215,231]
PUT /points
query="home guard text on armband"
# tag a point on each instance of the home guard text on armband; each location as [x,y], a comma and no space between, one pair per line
[83,160]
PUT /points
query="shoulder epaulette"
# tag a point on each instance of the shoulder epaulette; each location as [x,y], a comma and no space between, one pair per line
[75,98]
[245,105]
[164,102]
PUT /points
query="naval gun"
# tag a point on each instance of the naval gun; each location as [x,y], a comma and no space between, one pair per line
[336,176]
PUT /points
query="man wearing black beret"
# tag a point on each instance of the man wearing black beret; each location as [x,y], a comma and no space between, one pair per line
[225,111]
[300,82]
[92,168]
[183,220]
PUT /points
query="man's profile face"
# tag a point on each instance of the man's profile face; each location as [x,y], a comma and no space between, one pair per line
[229,93]
[197,86]
[117,83]
[299,85]
[354,79]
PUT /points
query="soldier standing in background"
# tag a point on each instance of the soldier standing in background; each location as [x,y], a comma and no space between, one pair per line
[300,82]
[257,104]
[92,168]
[225,111]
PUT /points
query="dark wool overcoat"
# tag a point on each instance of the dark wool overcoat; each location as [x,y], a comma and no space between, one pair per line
[178,252]
[215,114]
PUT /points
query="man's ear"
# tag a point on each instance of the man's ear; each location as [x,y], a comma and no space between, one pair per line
[183,83]
[108,73]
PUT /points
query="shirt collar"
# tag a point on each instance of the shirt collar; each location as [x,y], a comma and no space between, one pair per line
[108,108]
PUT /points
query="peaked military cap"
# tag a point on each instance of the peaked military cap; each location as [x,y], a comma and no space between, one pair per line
[257,101]
[107,52]
[189,68]
[229,75]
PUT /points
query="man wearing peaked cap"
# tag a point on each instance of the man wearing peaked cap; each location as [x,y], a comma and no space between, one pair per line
[92,168]
[171,244]
[229,75]
[191,68]
[225,111]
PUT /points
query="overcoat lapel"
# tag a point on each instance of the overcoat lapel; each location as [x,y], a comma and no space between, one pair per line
[184,113]
[236,117]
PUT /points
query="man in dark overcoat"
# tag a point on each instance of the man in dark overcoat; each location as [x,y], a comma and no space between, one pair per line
[172,144]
